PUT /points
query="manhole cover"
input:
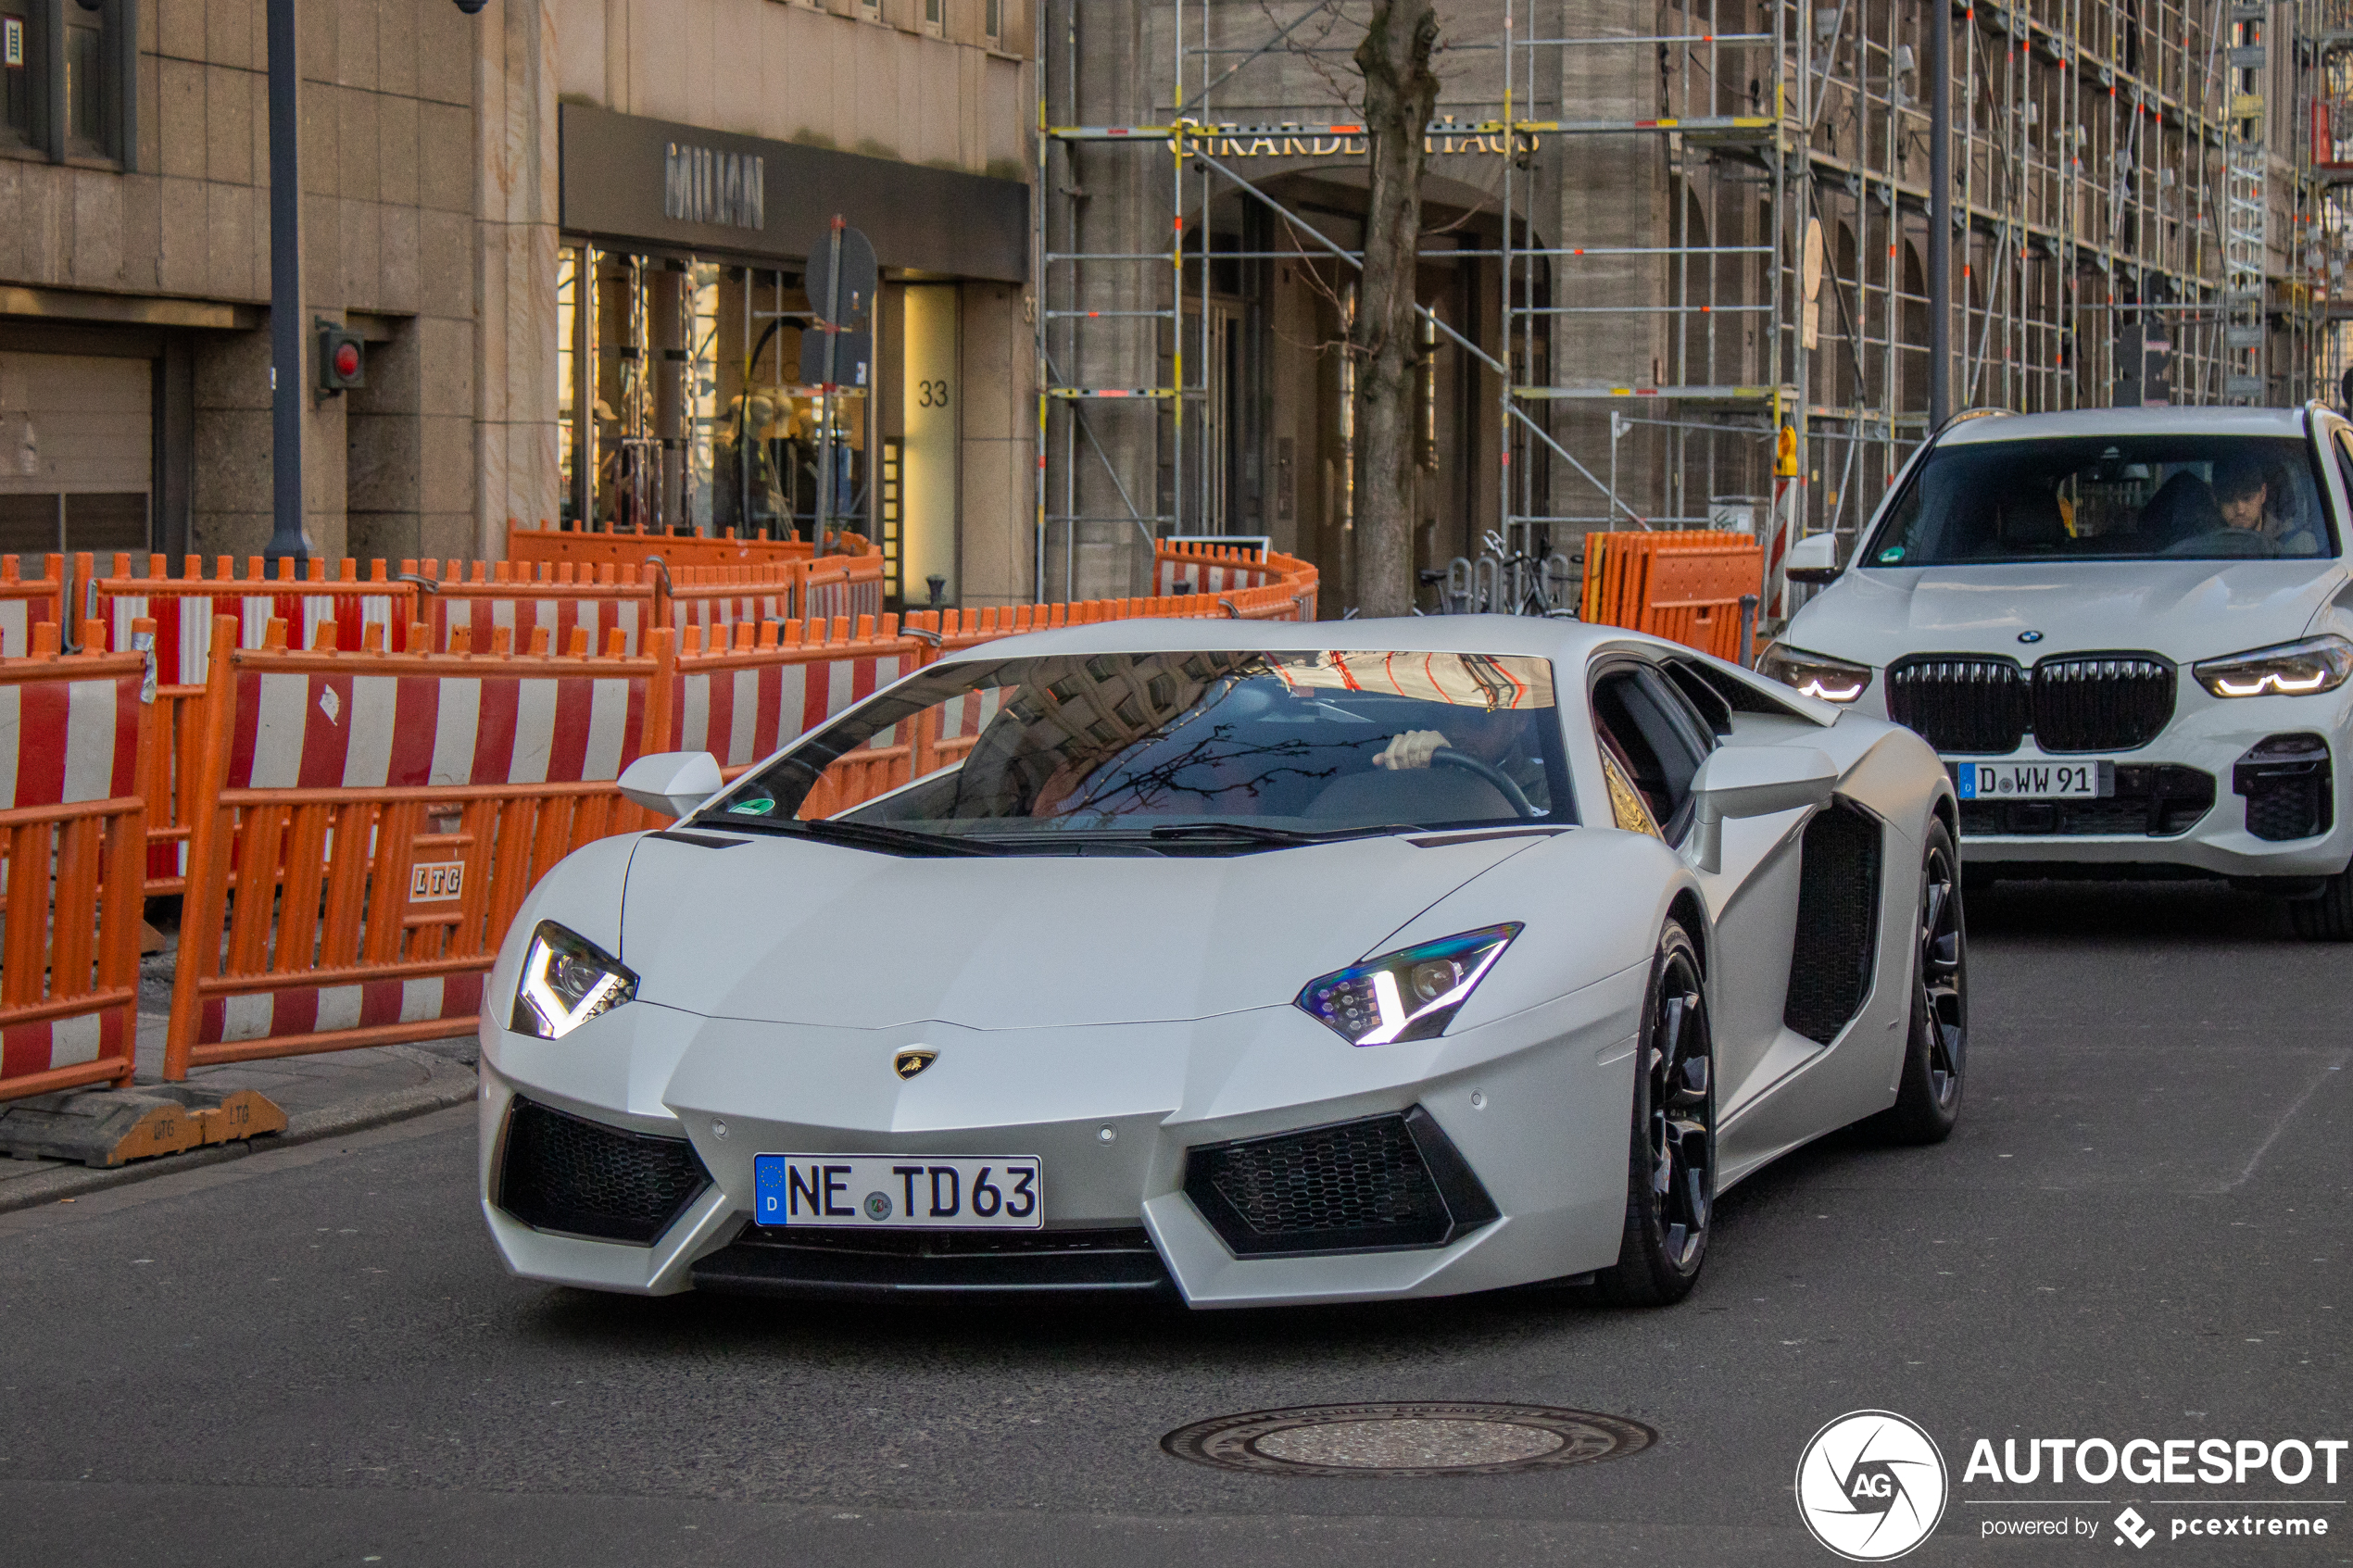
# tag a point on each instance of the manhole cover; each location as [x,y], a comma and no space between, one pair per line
[1445,1438]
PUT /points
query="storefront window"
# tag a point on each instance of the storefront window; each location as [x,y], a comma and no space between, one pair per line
[684,408]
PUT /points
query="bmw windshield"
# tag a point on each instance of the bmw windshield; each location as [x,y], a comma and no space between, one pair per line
[2143,498]
[1184,752]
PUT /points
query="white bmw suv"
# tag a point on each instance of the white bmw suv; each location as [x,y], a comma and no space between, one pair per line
[2126,631]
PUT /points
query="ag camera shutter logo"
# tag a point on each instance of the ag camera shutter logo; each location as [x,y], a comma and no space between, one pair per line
[1871,1485]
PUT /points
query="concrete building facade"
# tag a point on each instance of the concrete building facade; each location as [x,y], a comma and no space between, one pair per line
[474,189]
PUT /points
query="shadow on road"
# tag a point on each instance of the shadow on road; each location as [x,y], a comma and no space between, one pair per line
[2172,912]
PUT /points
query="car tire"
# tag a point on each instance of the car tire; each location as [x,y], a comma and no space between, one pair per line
[2328,917]
[1670,1176]
[1928,1097]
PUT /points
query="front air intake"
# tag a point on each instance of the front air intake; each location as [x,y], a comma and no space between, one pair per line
[1373,1186]
[565,1174]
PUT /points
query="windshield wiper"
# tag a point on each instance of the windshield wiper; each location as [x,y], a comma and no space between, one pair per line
[1260,834]
[863,835]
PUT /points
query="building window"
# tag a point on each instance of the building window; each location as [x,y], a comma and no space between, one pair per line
[23,55]
[936,17]
[67,64]
[85,83]
[992,21]
[870,10]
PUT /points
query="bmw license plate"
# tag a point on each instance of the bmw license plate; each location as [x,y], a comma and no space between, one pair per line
[2034,780]
[898,1192]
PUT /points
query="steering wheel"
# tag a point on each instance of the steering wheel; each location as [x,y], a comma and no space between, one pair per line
[1447,757]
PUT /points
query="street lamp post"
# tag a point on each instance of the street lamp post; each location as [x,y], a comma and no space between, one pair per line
[1940,212]
[288,539]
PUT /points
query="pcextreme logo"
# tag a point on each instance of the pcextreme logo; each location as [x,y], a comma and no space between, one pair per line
[1871,1485]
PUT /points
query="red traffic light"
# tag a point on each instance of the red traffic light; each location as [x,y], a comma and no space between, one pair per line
[343,358]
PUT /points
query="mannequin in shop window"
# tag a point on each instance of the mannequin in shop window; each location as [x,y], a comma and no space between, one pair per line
[750,490]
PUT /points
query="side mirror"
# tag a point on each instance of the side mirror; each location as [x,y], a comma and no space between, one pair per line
[1753,780]
[1812,560]
[672,782]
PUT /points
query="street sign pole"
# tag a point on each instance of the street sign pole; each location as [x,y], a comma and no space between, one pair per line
[831,326]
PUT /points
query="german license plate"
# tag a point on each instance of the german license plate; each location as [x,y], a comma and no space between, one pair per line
[898,1192]
[2034,780]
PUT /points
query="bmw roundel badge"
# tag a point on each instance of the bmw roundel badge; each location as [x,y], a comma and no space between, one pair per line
[907,1063]
[2030,637]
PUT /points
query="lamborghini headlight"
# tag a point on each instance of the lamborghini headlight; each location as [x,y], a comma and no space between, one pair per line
[1409,995]
[1814,674]
[2316,664]
[567,980]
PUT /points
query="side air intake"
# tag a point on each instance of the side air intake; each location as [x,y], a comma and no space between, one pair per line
[1830,971]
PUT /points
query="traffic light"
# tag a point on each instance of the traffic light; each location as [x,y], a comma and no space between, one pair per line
[343,358]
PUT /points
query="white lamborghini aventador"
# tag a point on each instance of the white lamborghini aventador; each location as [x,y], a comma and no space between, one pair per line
[1250,962]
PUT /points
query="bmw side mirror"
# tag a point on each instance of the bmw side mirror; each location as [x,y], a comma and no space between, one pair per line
[1812,560]
[672,782]
[1753,780]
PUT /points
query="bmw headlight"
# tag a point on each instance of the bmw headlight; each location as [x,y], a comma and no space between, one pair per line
[1814,674]
[567,980]
[1409,995]
[2316,664]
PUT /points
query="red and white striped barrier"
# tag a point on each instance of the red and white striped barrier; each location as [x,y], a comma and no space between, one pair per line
[73,733]
[328,730]
[516,599]
[183,608]
[739,705]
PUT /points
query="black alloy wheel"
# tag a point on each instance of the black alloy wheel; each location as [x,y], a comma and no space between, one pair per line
[1928,1099]
[1671,1195]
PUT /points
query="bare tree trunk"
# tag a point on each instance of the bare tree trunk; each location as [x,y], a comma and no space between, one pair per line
[1400,92]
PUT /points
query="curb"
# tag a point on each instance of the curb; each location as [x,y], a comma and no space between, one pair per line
[447,1083]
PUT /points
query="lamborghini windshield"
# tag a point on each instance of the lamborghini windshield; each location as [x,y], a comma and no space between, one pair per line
[2144,497]
[1200,752]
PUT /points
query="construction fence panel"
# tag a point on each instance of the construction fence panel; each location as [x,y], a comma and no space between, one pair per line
[1693,596]
[26,602]
[359,605]
[367,824]
[500,603]
[74,732]
[716,600]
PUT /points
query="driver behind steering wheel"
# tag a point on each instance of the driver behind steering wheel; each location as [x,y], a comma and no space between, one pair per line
[1496,737]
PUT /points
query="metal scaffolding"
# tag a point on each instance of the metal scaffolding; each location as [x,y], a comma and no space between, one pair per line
[1698,231]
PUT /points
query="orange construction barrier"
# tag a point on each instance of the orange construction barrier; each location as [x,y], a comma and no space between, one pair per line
[715,599]
[628,547]
[1683,584]
[744,698]
[1272,587]
[837,585]
[367,823]
[26,602]
[182,609]
[74,732]
[464,608]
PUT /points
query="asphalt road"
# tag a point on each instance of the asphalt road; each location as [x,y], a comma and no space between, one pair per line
[2141,1229]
